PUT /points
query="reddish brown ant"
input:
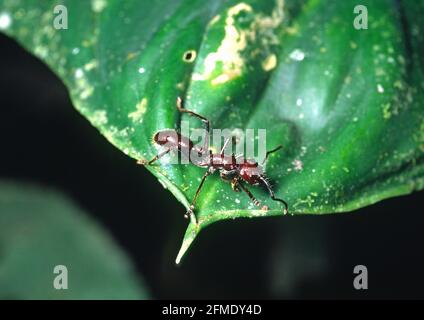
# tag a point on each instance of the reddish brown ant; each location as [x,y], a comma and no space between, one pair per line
[230,169]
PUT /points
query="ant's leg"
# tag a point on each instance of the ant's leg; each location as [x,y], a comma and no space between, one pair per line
[237,183]
[157,157]
[203,119]
[190,212]
[269,152]
[272,195]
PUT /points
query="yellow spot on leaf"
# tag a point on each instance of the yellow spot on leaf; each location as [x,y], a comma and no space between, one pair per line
[99,117]
[91,65]
[270,62]
[386,111]
[140,110]
[98,5]
[214,20]
[228,57]
[221,79]
[228,52]
[131,55]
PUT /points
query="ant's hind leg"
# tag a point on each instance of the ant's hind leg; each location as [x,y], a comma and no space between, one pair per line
[272,195]
[157,157]
[237,183]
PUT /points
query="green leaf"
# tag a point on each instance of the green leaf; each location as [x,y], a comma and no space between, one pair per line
[346,104]
[40,229]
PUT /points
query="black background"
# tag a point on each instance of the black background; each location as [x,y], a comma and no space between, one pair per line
[45,141]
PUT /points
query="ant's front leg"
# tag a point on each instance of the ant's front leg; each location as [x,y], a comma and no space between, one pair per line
[157,157]
[272,195]
[181,109]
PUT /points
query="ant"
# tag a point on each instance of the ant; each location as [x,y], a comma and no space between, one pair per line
[237,172]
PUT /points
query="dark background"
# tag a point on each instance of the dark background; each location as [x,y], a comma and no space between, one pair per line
[44,140]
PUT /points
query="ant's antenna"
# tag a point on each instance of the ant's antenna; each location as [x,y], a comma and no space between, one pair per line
[269,152]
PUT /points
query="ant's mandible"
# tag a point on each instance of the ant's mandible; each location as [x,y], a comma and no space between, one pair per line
[236,171]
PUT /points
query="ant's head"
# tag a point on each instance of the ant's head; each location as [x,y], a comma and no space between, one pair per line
[251,172]
[167,136]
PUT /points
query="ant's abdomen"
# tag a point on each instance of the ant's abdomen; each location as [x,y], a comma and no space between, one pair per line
[173,140]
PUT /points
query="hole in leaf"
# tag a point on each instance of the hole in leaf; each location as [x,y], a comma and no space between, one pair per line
[189,56]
